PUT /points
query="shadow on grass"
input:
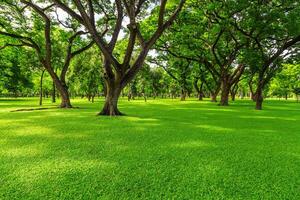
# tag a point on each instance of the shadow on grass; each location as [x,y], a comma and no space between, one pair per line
[158,150]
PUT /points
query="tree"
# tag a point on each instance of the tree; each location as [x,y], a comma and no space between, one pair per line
[119,72]
[16,23]
[274,28]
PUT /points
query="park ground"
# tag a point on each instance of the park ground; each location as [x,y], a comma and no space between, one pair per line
[162,149]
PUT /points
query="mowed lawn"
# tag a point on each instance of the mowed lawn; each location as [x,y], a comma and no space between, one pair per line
[162,149]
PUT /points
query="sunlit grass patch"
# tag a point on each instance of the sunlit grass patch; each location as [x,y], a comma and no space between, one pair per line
[162,149]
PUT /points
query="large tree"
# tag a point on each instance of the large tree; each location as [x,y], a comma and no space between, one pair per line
[106,20]
[32,24]
[274,29]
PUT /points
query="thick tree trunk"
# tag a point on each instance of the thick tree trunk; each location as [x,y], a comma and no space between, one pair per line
[63,91]
[225,93]
[253,96]
[224,97]
[41,88]
[259,101]
[259,98]
[65,99]
[110,107]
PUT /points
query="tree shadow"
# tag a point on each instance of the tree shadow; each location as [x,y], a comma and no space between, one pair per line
[157,151]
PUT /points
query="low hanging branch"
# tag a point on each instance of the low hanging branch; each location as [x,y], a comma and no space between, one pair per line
[118,73]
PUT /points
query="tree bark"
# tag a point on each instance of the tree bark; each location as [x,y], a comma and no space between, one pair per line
[259,93]
[225,91]
[233,91]
[65,98]
[63,91]
[41,88]
[259,99]
[53,93]
[113,91]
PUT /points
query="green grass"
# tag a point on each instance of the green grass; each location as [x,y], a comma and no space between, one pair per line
[163,149]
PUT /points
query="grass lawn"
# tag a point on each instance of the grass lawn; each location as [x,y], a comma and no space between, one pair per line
[163,149]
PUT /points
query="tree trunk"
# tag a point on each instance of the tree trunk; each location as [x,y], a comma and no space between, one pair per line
[201,93]
[233,92]
[199,89]
[53,93]
[259,98]
[225,92]
[183,95]
[65,99]
[215,93]
[259,93]
[63,91]
[113,91]
[41,88]
[224,96]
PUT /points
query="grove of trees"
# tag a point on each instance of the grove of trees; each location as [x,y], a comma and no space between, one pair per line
[150,49]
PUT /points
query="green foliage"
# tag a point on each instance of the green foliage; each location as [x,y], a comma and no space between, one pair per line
[85,75]
[285,82]
[14,77]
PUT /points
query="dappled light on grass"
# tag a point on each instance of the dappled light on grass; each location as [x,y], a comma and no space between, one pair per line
[58,167]
[162,148]
[269,117]
[138,119]
[192,144]
[215,128]
[24,151]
